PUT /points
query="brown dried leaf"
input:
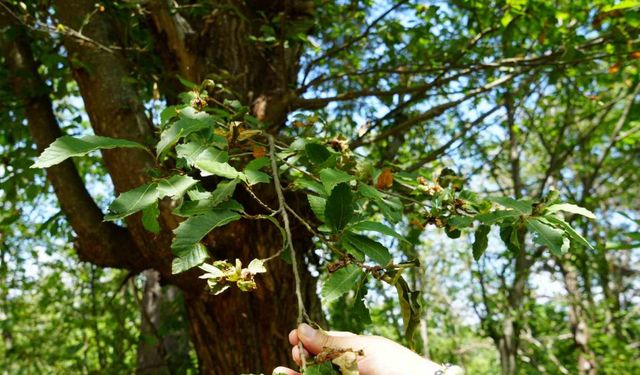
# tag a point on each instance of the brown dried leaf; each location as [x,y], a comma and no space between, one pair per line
[259,151]
[385,179]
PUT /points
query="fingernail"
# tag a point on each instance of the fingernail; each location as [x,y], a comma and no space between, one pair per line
[306,331]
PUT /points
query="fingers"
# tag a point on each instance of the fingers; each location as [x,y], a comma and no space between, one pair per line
[314,340]
[295,353]
[293,337]
[284,371]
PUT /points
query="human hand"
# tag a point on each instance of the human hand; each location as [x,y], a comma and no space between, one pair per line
[381,356]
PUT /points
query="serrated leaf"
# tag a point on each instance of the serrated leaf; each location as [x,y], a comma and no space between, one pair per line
[373,226]
[223,191]
[339,207]
[193,230]
[481,241]
[190,151]
[211,167]
[198,207]
[331,177]
[316,153]
[341,282]
[150,218]
[182,128]
[373,249]
[67,146]
[571,208]
[569,231]
[168,113]
[188,258]
[256,177]
[546,235]
[133,201]
[317,206]
[175,186]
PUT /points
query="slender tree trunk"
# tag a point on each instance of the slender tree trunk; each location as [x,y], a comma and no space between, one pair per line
[579,322]
[164,341]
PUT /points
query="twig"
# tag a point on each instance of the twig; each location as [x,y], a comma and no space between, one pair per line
[260,202]
[294,262]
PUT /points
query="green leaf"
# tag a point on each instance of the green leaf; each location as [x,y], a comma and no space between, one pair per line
[133,201]
[624,4]
[192,230]
[187,124]
[391,207]
[168,113]
[198,207]
[254,176]
[190,151]
[67,146]
[331,177]
[571,208]
[495,216]
[360,310]
[341,282]
[311,185]
[188,258]
[258,163]
[373,226]
[523,206]
[150,218]
[339,208]
[481,241]
[460,221]
[223,191]
[210,167]
[373,249]
[509,236]
[569,231]
[409,308]
[317,206]
[316,153]
[546,235]
[324,368]
[175,186]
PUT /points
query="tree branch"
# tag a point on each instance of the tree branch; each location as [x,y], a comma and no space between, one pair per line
[176,31]
[101,243]
[433,112]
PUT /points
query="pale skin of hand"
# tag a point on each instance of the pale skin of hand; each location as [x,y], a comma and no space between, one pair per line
[381,356]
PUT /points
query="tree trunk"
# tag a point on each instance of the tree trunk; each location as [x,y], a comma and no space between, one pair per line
[578,321]
[164,341]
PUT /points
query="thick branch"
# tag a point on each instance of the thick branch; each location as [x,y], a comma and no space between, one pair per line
[102,243]
[176,31]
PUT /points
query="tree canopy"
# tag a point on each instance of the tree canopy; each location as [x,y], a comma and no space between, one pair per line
[458,176]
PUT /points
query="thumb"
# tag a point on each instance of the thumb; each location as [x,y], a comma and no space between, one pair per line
[315,340]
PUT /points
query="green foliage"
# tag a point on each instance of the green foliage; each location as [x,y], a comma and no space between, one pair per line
[66,146]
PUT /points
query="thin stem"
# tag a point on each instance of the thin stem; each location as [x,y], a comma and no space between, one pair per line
[294,262]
